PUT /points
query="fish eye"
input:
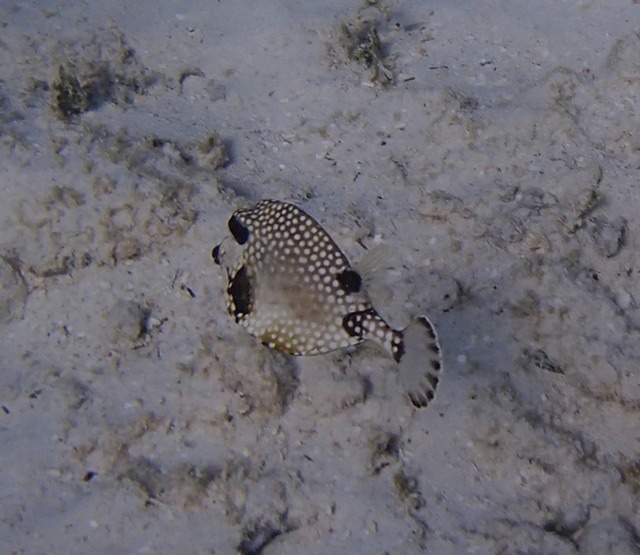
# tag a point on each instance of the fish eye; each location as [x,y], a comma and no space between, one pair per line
[239,231]
[215,253]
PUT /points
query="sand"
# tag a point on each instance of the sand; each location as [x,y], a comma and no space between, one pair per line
[492,147]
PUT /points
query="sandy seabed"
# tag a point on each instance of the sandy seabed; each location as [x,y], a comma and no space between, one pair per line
[493,147]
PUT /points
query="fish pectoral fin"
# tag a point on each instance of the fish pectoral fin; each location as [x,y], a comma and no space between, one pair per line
[373,265]
[420,362]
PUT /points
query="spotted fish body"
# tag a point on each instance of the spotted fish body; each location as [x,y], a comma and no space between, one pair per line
[290,286]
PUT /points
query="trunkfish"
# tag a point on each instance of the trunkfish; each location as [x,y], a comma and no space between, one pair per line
[290,286]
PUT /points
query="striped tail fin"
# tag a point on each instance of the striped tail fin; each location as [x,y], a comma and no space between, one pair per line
[420,361]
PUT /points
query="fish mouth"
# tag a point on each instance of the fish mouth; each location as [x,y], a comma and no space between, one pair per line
[215,254]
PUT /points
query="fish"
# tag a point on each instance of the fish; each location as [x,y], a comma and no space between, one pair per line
[291,287]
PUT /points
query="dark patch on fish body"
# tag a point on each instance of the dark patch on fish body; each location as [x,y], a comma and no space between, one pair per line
[350,281]
[241,292]
[354,323]
[398,350]
[240,232]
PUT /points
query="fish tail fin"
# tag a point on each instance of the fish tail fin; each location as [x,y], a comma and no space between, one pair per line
[419,359]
